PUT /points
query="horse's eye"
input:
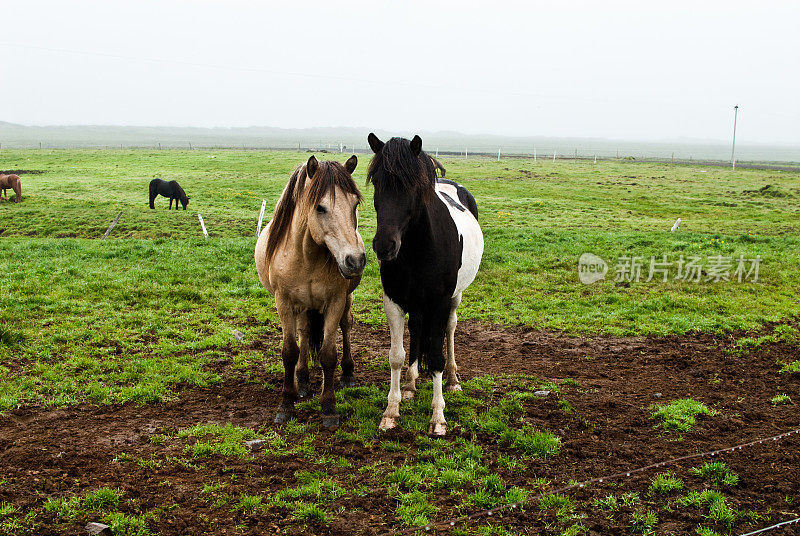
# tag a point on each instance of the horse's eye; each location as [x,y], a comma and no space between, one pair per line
[321,209]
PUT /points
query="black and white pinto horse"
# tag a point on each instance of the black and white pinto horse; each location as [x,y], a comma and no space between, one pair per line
[169,189]
[429,245]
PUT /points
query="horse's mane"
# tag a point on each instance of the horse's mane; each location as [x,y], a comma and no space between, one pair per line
[328,176]
[403,171]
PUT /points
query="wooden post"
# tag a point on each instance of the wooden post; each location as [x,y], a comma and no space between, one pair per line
[261,216]
[576,155]
[190,146]
[203,225]
[673,158]
[111,227]
[40,145]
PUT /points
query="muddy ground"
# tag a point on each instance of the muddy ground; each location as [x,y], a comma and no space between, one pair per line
[48,453]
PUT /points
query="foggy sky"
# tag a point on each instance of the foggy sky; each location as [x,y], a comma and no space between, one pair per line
[628,70]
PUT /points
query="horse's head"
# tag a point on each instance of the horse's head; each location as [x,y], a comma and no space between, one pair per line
[403,176]
[330,200]
[184,201]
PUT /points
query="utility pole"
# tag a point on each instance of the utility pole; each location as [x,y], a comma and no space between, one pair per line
[735,115]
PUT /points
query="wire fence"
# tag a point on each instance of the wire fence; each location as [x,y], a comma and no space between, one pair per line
[536,154]
[499,511]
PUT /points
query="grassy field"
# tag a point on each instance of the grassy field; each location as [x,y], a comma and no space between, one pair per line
[150,312]
[71,303]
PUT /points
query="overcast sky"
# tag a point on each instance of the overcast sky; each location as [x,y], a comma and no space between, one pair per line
[589,69]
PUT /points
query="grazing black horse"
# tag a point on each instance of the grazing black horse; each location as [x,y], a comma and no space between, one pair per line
[169,189]
[429,245]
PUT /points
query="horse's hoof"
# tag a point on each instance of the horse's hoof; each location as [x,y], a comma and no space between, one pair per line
[453,387]
[408,394]
[437,429]
[330,422]
[284,415]
[347,381]
[387,423]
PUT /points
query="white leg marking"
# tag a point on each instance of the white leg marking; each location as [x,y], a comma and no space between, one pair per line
[397,355]
[450,367]
[438,426]
[410,388]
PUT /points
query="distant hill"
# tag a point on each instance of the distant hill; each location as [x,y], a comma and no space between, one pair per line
[350,138]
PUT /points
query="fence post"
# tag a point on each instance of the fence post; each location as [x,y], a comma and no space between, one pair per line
[261,216]
[202,225]
[498,154]
[437,152]
[534,154]
[111,227]
[465,153]
[554,156]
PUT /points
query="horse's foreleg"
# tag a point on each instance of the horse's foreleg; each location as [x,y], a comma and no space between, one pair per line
[301,372]
[450,368]
[437,426]
[328,360]
[289,355]
[348,378]
[397,355]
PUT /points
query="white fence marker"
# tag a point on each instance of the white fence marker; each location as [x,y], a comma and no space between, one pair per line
[675,227]
[437,152]
[261,216]
[734,164]
[498,154]
[465,153]
[595,159]
[554,157]
[203,225]
[111,227]
[534,155]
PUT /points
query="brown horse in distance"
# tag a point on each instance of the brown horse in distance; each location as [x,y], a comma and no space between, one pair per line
[13,182]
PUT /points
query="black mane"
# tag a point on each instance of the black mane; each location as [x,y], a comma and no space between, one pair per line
[402,170]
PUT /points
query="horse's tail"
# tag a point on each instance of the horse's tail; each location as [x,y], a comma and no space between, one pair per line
[316,324]
[17,186]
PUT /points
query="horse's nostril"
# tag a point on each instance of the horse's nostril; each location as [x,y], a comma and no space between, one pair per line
[362,261]
[351,262]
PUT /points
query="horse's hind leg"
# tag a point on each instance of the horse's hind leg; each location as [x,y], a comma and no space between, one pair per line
[289,355]
[416,336]
[301,372]
[348,378]
[450,367]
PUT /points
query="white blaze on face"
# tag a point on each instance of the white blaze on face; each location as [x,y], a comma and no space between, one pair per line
[470,230]
[339,226]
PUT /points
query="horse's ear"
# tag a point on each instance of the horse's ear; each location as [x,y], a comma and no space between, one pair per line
[416,145]
[374,143]
[351,164]
[311,166]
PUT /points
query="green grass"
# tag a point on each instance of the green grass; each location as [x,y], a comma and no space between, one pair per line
[718,509]
[665,483]
[680,415]
[149,308]
[792,368]
[781,399]
[716,472]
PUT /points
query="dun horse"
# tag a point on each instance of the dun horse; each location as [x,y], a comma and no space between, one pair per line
[13,182]
[311,257]
[429,245]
